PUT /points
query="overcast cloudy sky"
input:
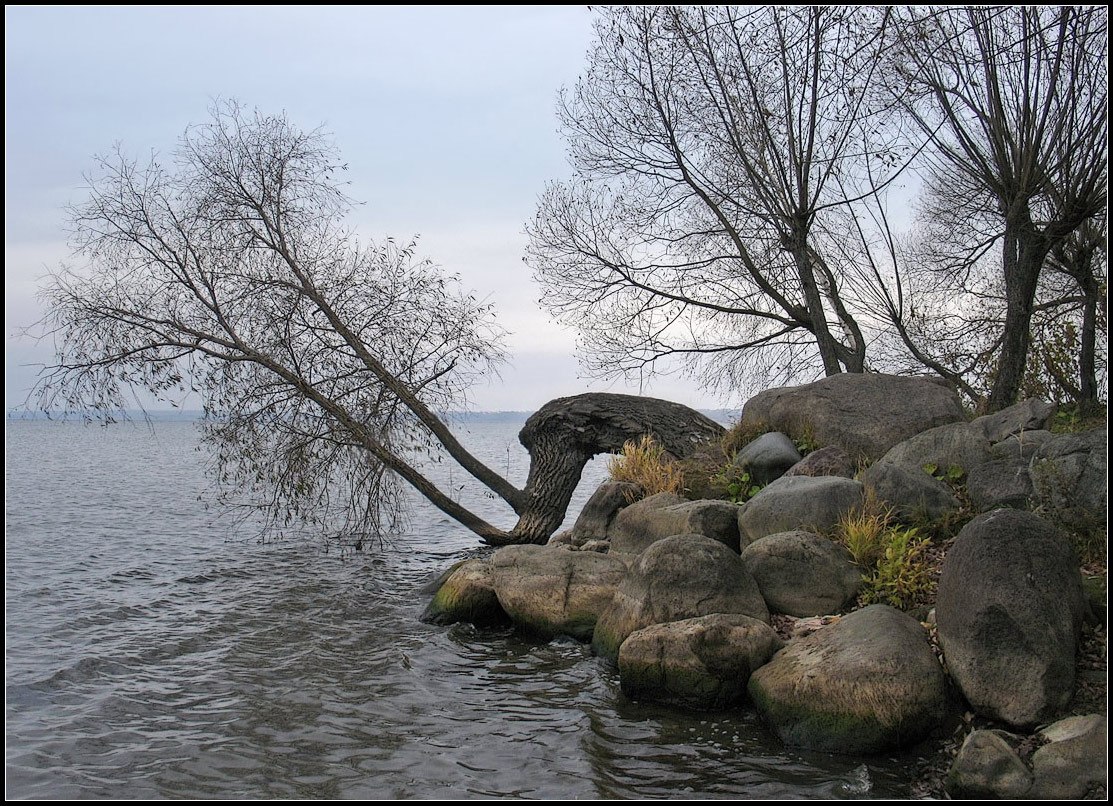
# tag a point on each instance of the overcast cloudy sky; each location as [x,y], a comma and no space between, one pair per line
[444,115]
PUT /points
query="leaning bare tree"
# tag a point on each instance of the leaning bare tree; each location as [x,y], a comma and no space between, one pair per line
[321,360]
[1015,101]
[718,153]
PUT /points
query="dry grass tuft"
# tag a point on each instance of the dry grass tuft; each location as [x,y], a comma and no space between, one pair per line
[647,463]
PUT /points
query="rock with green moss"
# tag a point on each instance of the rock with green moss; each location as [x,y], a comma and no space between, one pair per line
[702,662]
[552,591]
[466,593]
[677,578]
[865,684]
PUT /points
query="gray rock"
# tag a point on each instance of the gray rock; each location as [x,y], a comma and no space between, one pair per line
[1009,611]
[1069,479]
[987,767]
[702,662]
[829,461]
[565,539]
[1022,446]
[911,493]
[466,594]
[802,574]
[798,502]
[866,684]
[605,503]
[676,578]
[999,483]
[767,458]
[1027,415]
[865,414]
[551,591]
[1075,760]
[957,445]
[636,527]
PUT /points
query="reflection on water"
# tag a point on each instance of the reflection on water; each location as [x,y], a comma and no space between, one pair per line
[151,653]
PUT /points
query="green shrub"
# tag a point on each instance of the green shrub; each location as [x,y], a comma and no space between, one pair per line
[895,561]
[902,577]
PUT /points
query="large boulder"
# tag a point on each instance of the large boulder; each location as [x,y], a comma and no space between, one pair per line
[639,526]
[802,574]
[910,493]
[767,458]
[1027,415]
[702,662]
[466,593]
[866,684]
[1009,611]
[551,591]
[999,483]
[1074,760]
[987,766]
[1069,479]
[1020,447]
[676,578]
[953,448]
[798,502]
[610,498]
[865,414]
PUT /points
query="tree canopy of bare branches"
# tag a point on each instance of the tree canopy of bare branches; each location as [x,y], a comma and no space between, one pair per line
[323,362]
[718,155]
[1015,101]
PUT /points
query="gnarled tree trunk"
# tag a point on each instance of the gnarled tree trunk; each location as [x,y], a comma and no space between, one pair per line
[566,432]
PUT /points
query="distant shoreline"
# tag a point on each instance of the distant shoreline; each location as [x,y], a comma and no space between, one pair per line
[190,415]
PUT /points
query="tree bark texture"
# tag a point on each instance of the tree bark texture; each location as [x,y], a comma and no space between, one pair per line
[566,432]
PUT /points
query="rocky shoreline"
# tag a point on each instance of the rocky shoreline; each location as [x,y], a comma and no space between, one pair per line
[712,604]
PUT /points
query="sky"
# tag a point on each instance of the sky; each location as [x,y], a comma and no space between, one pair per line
[445,116]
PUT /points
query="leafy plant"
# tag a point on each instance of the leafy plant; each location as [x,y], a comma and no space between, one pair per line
[737,484]
[902,577]
[646,463]
[895,563]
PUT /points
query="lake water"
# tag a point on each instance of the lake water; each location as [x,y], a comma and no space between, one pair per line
[154,652]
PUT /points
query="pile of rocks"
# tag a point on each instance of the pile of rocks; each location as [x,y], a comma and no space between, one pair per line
[679,593]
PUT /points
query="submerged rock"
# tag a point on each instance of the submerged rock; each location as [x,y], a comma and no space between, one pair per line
[465,594]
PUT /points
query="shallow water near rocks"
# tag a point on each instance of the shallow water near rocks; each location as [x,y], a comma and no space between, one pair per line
[154,651]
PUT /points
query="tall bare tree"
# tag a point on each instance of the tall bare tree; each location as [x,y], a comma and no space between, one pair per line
[717,154]
[322,361]
[1015,103]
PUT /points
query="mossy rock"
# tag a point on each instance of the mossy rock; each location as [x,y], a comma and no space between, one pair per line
[867,684]
[466,594]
